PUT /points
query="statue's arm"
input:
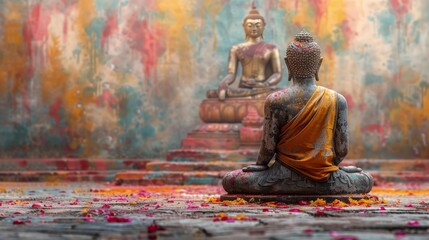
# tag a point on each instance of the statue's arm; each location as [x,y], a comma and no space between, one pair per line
[341,134]
[270,136]
[232,69]
[277,68]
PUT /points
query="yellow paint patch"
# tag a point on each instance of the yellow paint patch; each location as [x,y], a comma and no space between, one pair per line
[13,63]
[54,78]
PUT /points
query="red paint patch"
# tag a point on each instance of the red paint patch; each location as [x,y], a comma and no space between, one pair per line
[36,30]
[319,10]
[148,41]
[400,7]
[22,163]
[348,32]
[107,99]
[55,113]
[110,28]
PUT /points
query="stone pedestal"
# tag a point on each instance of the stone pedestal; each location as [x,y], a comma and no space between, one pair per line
[214,142]
[230,110]
[213,136]
[236,139]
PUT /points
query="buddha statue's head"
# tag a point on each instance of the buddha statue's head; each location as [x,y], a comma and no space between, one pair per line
[303,57]
[254,23]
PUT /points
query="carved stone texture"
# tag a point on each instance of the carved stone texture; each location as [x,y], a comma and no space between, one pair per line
[251,132]
[229,110]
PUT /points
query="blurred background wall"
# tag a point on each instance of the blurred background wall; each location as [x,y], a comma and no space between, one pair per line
[124,78]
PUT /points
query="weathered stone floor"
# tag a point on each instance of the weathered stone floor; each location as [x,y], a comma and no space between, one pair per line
[102,211]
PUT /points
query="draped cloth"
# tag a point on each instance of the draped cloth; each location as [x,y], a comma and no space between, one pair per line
[306,142]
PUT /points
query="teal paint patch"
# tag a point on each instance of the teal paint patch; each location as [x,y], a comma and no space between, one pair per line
[372,78]
[95,30]
[386,25]
[103,5]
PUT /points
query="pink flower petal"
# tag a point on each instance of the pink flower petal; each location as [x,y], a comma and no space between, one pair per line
[18,222]
[413,223]
[320,213]
[346,238]
[192,207]
[35,205]
[333,233]
[118,219]
[400,234]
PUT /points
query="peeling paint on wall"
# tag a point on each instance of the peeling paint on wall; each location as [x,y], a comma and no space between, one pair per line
[104,78]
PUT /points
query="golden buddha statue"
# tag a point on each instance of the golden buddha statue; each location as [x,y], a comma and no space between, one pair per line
[305,132]
[260,63]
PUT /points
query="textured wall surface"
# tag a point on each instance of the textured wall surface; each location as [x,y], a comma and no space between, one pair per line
[124,78]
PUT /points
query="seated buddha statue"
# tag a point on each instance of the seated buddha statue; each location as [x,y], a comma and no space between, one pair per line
[305,133]
[260,63]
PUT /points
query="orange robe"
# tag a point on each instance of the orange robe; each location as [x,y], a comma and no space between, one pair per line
[306,141]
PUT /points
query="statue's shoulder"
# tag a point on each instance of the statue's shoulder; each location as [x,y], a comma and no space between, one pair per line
[239,46]
[270,46]
[278,97]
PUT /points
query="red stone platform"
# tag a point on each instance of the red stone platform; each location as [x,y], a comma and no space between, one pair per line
[157,171]
[383,170]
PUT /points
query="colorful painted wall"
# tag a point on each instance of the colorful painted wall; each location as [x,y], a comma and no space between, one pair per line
[124,78]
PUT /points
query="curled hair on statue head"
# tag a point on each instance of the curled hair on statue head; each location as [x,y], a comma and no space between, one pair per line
[303,56]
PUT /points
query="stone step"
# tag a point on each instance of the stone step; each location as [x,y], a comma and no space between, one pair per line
[214,177]
[169,178]
[73,164]
[381,177]
[389,164]
[57,176]
[209,155]
[194,166]
[366,164]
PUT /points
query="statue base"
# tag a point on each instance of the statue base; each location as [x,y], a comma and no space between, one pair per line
[230,110]
[210,155]
[291,199]
[222,141]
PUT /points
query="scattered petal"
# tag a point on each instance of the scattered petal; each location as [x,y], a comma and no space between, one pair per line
[413,223]
[117,219]
[320,213]
[192,207]
[18,222]
[318,202]
[35,205]
[333,233]
[400,234]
